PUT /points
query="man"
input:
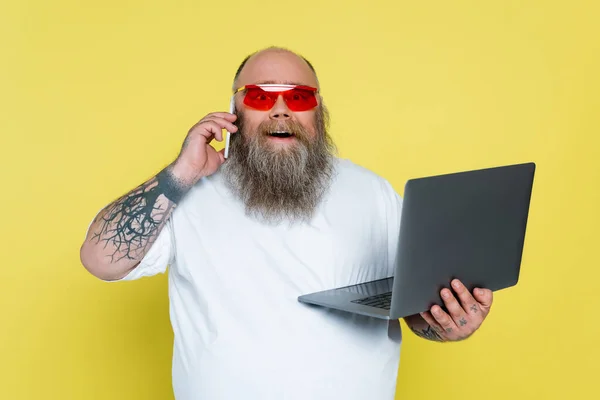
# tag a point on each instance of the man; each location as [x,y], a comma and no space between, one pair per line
[244,236]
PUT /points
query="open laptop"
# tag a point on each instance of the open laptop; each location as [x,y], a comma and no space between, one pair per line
[467,225]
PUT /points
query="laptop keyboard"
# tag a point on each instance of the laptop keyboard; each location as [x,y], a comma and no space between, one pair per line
[382,301]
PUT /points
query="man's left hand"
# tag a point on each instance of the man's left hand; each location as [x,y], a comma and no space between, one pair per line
[465,313]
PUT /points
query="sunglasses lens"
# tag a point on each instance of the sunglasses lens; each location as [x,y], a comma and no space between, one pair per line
[297,99]
[300,99]
[259,99]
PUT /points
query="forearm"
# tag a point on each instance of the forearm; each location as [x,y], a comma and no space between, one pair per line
[421,328]
[123,232]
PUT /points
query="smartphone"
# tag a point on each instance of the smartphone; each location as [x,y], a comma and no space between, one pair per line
[231,110]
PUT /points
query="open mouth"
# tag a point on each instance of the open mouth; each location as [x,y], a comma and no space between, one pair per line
[281,134]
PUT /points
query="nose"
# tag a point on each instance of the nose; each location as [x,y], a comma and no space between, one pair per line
[280,110]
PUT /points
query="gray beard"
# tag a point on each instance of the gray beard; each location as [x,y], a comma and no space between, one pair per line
[280,184]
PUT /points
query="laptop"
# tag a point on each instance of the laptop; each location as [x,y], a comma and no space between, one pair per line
[468,225]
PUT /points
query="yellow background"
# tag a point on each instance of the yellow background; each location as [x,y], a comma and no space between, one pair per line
[98,96]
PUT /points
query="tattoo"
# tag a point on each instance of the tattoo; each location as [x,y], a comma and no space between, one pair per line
[427,333]
[462,322]
[449,330]
[170,186]
[474,308]
[130,224]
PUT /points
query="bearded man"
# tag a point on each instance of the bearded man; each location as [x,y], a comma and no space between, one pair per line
[244,236]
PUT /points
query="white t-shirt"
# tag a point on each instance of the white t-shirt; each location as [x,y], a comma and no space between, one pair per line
[239,330]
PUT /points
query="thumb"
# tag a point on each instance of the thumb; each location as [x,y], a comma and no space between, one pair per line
[221,154]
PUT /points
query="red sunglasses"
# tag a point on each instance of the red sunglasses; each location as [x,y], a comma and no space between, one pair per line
[264,97]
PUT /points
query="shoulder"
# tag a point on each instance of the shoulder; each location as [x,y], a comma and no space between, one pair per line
[369,198]
[348,167]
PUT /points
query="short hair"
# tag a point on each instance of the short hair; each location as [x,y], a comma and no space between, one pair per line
[243,64]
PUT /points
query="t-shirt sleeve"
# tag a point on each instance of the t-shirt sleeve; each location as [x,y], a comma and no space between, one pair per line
[159,256]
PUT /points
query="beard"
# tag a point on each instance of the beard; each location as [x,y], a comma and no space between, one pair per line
[277,183]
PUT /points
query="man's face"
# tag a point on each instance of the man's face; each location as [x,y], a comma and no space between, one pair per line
[279,178]
[276,68]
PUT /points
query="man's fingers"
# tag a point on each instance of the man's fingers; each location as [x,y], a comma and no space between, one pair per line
[454,308]
[222,122]
[468,302]
[228,116]
[433,323]
[208,129]
[445,321]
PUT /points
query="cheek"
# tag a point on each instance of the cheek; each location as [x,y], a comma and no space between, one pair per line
[308,121]
[252,119]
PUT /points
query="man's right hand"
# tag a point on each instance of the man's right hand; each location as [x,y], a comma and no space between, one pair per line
[197,157]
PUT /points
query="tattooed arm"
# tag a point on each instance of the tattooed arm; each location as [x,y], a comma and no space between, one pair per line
[123,232]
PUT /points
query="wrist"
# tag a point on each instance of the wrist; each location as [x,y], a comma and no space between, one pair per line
[173,184]
[186,175]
